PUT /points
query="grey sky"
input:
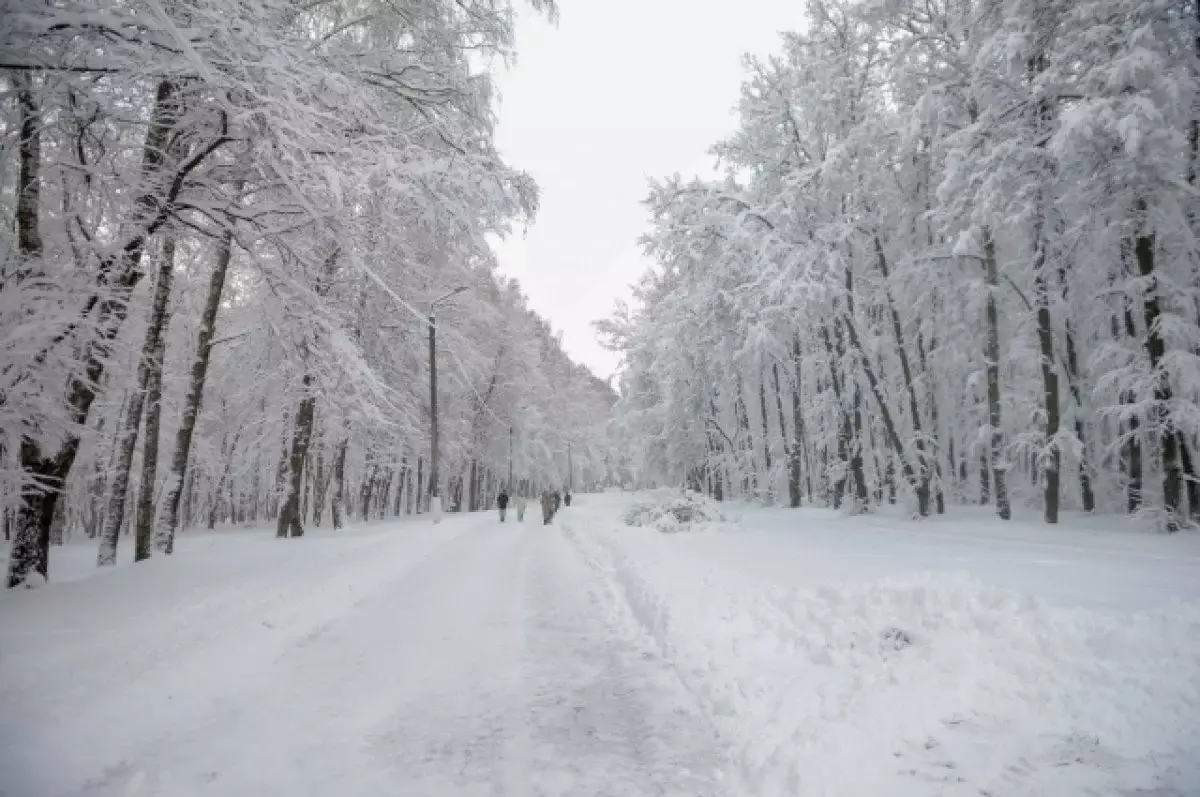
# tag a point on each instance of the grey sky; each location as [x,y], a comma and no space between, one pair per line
[618,92]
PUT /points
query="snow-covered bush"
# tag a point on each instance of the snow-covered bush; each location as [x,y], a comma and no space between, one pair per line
[674,512]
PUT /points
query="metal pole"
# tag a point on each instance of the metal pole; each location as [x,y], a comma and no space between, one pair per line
[570,470]
[510,449]
[434,501]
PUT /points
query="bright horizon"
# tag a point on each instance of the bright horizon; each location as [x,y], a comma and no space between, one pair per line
[613,96]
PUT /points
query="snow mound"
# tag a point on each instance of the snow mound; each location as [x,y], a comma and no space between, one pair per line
[675,512]
[928,683]
[32,580]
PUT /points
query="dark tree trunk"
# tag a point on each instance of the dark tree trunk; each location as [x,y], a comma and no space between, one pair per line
[473,495]
[922,476]
[939,493]
[985,485]
[365,492]
[117,276]
[857,472]
[289,522]
[843,438]
[31,525]
[338,506]
[790,449]
[1156,348]
[766,429]
[320,488]
[420,483]
[168,519]
[992,355]
[152,353]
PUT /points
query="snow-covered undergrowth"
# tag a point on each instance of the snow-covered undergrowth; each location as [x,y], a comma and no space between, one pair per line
[921,683]
[669,511]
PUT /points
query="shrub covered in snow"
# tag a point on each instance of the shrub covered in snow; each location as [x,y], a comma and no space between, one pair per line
[671,512]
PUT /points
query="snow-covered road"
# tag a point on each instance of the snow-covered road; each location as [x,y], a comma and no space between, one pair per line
[783,653]
[467,659]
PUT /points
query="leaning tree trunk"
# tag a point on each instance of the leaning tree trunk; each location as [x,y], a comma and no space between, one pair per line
[914,408]
[289,523]
[1086,494]
[128,433]
[117,275]
[153,353]
[992,355]
[168,519]
[885,413]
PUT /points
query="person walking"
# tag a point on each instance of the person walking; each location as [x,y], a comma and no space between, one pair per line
[557,501]
[502,502]
[566,498]
[521,501]
[547,507]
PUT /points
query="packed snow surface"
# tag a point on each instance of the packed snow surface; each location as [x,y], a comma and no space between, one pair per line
[779,653]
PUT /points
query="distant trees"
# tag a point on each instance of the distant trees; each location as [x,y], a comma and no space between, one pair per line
[959,238]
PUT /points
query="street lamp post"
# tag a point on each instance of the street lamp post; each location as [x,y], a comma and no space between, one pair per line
[435,500]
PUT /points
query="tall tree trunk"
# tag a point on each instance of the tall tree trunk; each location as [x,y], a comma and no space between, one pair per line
[992,355]
[110,532]
[153,353]
[1086,495]
[856,458]
[410,490]
[289,522]
[939,493]
[29,186]
[1053,458]
[420,483]
[914,408]
[473,494]
[790,449]
[843,438]
[766,428]
[320,488]
[365,492]
[31,522]
[985,485]
[384,492]
[401,480]
[338,505]
[168,519]
[1156,348]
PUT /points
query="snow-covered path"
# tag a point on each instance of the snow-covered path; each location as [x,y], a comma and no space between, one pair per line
[782,653]
[467,659]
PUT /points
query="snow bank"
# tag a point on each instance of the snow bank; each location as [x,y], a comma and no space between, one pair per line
[670,512]
[920,684]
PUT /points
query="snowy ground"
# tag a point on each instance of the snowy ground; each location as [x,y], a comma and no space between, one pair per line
[791,653]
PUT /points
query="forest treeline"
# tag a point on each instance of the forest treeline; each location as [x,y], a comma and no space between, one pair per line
[953,258]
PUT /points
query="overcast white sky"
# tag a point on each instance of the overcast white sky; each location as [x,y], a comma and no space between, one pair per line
[618,92]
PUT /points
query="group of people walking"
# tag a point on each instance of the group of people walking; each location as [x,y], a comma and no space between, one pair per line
[551,503]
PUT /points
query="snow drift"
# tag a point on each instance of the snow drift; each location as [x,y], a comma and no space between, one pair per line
[921,684]
[670,512]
